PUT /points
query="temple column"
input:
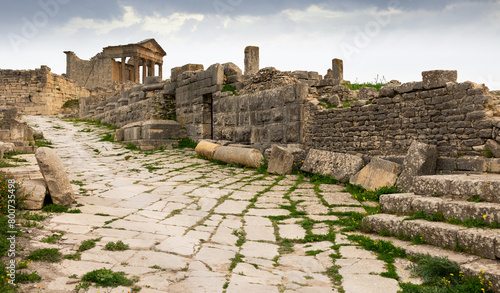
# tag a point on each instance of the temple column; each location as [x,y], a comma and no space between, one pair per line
[161,70]
[136,69]
[144,67]
[151,69]
[123,69]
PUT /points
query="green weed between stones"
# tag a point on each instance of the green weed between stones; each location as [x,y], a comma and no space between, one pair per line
[88,244]
[46,254]
[118,246]
[386,252]
[361,194]
[442,275]
[186,143]
[53,238]
[106,278]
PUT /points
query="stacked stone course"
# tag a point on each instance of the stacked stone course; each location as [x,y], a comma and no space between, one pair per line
[457,117]
[37,92]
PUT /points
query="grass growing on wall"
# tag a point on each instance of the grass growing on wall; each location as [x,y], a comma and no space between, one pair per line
[69,104]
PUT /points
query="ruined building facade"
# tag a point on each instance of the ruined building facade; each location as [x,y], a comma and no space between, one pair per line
[117,64]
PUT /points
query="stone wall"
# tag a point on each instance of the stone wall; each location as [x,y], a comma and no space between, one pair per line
[457,117]
[194,93]
[96,72]
[262,118]
[37,92]
[121,107]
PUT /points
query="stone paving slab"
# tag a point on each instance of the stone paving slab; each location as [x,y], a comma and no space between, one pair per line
[188,226]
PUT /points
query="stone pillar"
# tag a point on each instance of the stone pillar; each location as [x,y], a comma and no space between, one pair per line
[160,68]
[338,70]
[136,69]
[123,69]
[151,69]
[251,60]
[144,67]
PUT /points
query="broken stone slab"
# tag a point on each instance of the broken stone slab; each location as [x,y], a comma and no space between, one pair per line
[493,147]
[206,149]
[162,129]
[231,69]
[438,78]
[397,202]
[119,135]
[420,160]
[152,80]
[378,173]
[244,156]
[34,191]
[55,176]
[340,166]
[280,161]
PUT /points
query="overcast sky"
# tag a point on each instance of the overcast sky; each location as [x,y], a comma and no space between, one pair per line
[395,39]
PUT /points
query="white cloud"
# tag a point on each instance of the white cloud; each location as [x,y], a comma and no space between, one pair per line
[239,21]
[169,24]
[102,27]
[312,12]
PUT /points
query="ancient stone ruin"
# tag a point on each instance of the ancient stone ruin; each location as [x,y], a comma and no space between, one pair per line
[436,139]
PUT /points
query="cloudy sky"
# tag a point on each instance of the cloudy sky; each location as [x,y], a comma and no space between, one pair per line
[391,39]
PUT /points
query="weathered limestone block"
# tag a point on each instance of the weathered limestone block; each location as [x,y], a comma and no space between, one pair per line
[435,233]
[280,161]
[383,222]
[478,241]
[457,209]
[378,173]
[132,131]
[37,134]
[206,149]
[244,156]
[438,78]
[161,129]
[251,60]
[420,160]
[7,147]
[493,147]
[119,135]
[231,69]
[397,202]
[429,205]
[152,80]
[340,166]
[35,191]
[368,93]
[55,176]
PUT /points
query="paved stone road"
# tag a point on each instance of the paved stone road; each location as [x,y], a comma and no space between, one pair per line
[194,226]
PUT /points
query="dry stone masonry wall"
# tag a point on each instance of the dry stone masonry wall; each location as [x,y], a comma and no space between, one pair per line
[456,117]
[37,92]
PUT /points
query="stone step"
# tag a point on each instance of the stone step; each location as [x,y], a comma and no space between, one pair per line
[486,186]
[471,265]
[481,242]
[409,203]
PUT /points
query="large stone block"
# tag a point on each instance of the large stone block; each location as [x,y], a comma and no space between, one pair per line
[420,160]
[378,173]
[251,60]
[400,203]
[340,166]
[55,176]
[280,161]
[244,156]
[493,147]
[478,241]
[438,78]
[34,191]
[231,69]
[162,129]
